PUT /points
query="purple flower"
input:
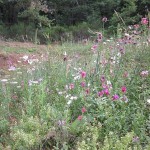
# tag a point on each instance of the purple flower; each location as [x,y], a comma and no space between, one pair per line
[115,97]
[135,139]
[12,68]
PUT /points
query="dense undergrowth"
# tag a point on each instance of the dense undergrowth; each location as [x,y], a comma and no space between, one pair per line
[86,96]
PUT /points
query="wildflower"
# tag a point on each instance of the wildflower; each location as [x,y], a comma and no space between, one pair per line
[30,82]
[87,91]
[71,86]
[83,74]
[35,82]
[73,97]
[94,47]
[102,78]
[106,91]
[104,85]
[61,122]
[122,51]
[65,56]
[148,101]
[77,77]
[123,89]
[83,84]
[14,82]
[115,97]
[125,99]
[69,102]
[144,21]
[83,110]
[60,93]
[18,86]
[109,84]
[100,93]
[135,139]
[80,117]
[25,57]
[144,73]
[19,72]
[136,26]
[4,80]
[104,19]
[99,37]
[12,68]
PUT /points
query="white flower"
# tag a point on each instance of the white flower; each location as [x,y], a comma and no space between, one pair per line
[30,61]
[126,34]
[18,86]
[14,82]
[19,72]
[77,77]
[35,82]
[108,82]
[4,80]
[68,95]
[25,57]
[60,93]
[148,101]
[119,55]
[73,98]
[69,102]
[65,54]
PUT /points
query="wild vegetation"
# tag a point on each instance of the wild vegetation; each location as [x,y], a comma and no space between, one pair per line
[85,95]
[87,88]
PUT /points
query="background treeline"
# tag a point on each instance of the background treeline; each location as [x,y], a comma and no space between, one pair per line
[55,20]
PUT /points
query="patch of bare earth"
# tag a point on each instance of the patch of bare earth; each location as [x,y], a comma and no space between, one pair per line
[13,58]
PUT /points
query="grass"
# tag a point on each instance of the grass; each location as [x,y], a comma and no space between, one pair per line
[75,100]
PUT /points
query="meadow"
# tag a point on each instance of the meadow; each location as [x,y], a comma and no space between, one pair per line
[89,95]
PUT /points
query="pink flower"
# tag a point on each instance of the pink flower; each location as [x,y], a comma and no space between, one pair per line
[136,26]
[93,48]
[144,73]
[100,93]
[123,89]
[83,74]
[102,79]
[104,19]
[80,117]
[87,91]
[83,84]
[99,37]
[106,91]
[115,97]
[83,110]
[71,86]
[144,21]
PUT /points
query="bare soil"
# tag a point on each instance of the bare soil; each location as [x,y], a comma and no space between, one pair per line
[12,56]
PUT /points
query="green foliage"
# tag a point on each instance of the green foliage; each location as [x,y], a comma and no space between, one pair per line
[29,133]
